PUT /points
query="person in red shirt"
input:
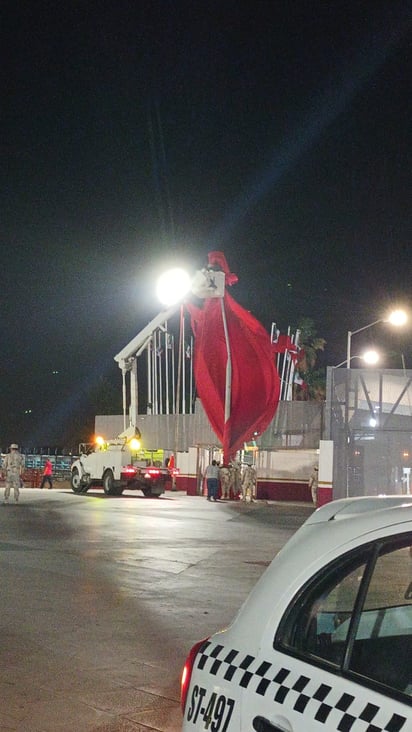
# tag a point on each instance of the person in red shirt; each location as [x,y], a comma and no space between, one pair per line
[47,474]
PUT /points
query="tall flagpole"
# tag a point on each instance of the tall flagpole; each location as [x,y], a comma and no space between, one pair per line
[149,409]
[155,379]
[191,377]
[228,386]
[173,375]
[166,339]
[179,362]
[159,355]
[183,365]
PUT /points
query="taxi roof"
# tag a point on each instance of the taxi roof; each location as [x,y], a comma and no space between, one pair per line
[349,507]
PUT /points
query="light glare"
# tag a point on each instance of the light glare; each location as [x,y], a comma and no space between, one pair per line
[172,286]
[397,317]
[370,357]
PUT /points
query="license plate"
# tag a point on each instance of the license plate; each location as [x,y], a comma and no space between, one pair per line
[212,712]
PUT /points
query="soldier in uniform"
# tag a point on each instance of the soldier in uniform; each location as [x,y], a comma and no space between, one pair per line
[13,466]
[225,481]
[249,484]
[313,485]
[235,479]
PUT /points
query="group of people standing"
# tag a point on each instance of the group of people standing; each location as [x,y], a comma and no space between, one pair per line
[231,481]
[12,471]
[14,464]
[215,474]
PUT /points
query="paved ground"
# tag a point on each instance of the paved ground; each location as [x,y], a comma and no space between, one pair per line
[101,598]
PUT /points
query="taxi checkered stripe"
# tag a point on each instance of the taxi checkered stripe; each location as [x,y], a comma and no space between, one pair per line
[341,710]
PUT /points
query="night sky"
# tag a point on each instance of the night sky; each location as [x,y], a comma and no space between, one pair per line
[139,135]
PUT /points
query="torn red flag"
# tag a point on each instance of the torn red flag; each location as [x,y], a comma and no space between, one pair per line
[254,384]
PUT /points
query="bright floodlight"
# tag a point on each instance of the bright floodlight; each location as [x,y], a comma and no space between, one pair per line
[397,317]
[172,286]
[370,357]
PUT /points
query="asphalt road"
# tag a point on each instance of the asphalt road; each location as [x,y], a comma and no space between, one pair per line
[101,598]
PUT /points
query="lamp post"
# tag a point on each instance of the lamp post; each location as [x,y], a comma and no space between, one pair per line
[371,358]
[397,318]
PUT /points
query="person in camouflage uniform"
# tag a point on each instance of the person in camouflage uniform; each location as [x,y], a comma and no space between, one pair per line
[13,466]
[313,485]
[225,480]
[249,482]
[236,479]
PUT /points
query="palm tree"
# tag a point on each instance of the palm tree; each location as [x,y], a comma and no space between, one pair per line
[313,386]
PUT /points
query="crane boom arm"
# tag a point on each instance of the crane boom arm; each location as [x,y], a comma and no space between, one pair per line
[131,349]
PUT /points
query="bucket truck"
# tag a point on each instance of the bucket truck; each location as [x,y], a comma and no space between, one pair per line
[115,466]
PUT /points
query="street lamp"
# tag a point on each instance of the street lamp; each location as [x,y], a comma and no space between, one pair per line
[397,318]
[371,358]
[173,286]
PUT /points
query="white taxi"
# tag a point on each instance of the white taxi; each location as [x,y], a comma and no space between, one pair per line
[324,640]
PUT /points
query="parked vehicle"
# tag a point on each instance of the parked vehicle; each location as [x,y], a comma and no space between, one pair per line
[324,641]
[114,466]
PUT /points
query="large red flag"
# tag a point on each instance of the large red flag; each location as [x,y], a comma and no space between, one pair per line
[255,383]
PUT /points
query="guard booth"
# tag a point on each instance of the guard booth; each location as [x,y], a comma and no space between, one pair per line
[369,419]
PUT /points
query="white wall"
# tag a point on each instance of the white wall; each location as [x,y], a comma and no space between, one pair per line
[286,464]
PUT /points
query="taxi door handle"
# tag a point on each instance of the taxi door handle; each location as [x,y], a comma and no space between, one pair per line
[260,724]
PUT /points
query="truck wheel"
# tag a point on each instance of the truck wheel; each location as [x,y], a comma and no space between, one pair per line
[148,493]
[109,483]
[75,481]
